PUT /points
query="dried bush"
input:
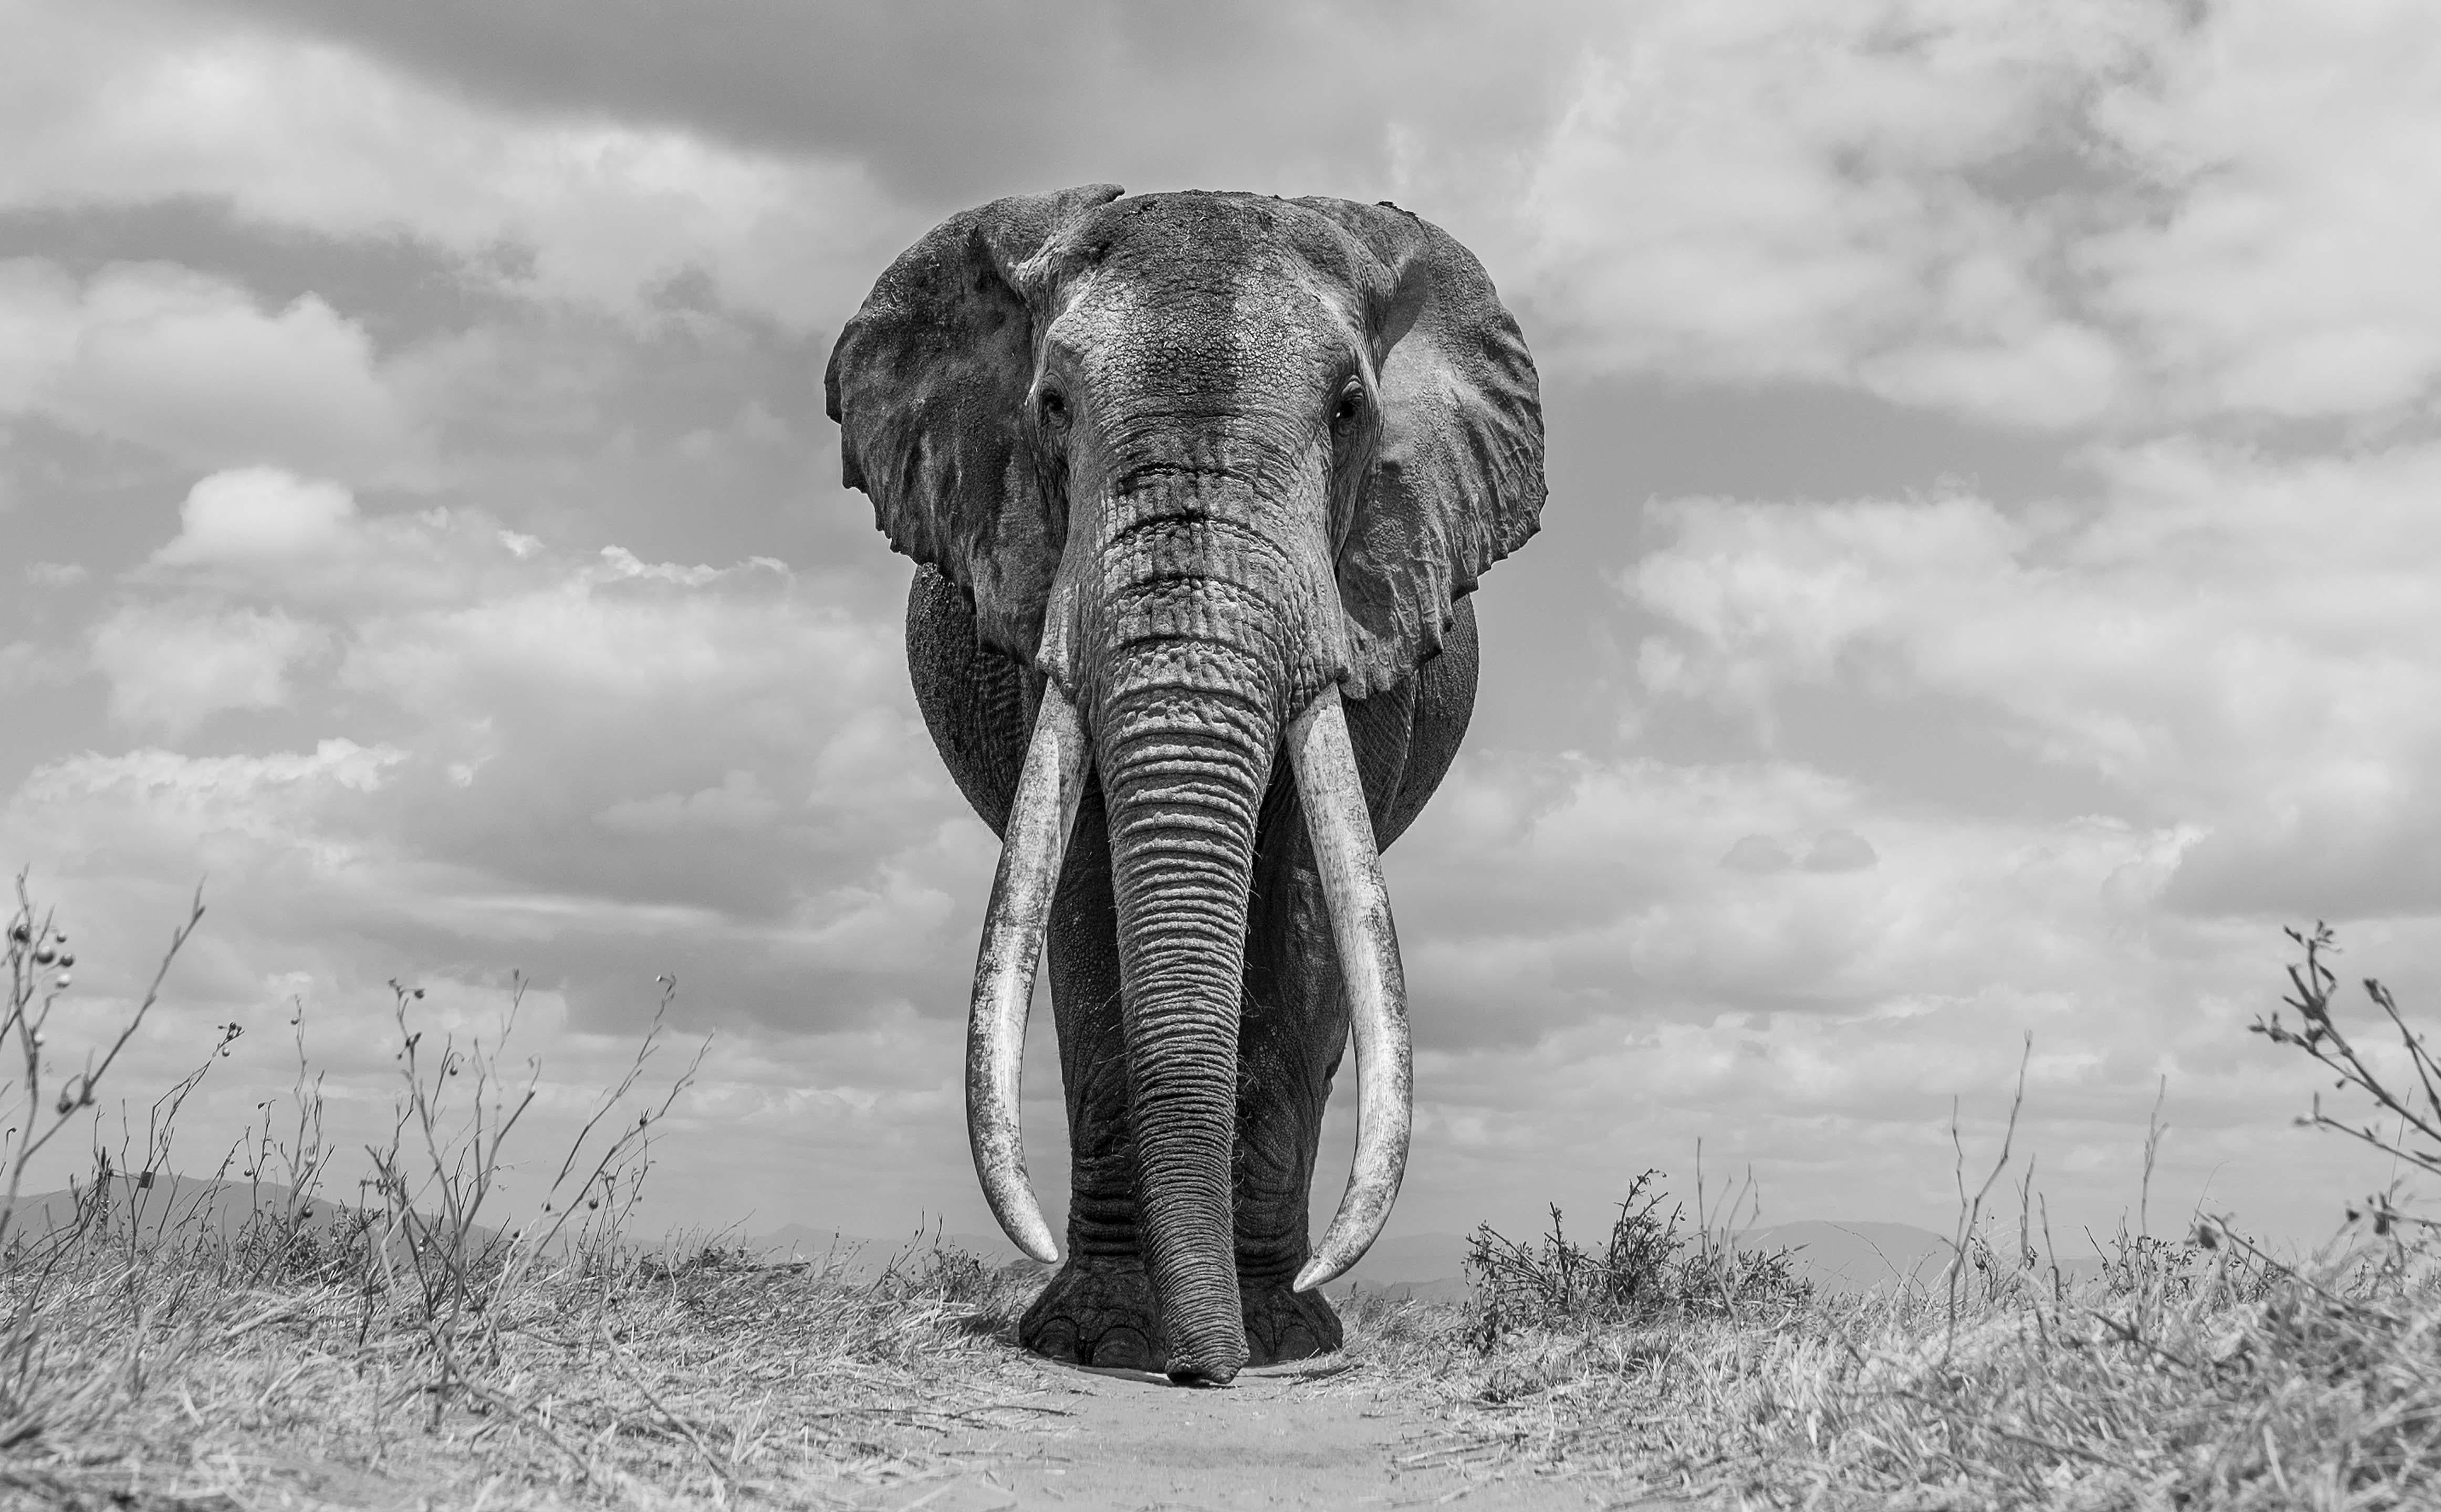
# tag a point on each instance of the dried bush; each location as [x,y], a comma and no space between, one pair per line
[1650,1264]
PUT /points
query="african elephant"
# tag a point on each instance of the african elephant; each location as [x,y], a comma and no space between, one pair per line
[1195,482]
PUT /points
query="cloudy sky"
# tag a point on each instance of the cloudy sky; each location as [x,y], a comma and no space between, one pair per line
[1987,587]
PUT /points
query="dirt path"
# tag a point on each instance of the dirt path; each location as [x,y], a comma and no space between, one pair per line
[1042,1437]
[1291,1437]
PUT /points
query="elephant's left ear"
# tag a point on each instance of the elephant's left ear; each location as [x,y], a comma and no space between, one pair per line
[1458,481]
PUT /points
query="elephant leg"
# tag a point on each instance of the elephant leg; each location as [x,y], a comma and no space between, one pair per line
[1098,1309]
[1292,1031]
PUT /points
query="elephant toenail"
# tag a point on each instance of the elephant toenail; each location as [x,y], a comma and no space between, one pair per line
[1057,1339]
[1122,1348]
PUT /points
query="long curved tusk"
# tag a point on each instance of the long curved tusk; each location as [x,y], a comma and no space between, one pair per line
[1039,818]
[1342,831]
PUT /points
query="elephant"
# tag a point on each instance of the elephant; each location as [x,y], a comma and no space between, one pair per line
[1198,486]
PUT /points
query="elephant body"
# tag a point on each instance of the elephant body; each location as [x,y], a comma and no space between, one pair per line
[1198,485]
[1293,1024]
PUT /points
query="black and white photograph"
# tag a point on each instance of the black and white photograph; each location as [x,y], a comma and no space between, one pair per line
[990,754]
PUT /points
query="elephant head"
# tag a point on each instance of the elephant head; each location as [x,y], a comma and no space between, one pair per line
[1207,465]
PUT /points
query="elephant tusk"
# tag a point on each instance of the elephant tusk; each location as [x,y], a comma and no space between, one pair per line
[1039,818]
[1342,831]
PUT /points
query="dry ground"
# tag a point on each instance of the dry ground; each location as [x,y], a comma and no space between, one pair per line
[715,1386]
[2198,1382]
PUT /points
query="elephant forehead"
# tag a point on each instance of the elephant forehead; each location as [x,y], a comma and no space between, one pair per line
[1143,340]
[1209,283]
[1215,234]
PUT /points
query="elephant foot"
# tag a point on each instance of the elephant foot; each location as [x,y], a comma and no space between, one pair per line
[1101,1312]
[1283,1326]
[1097,1312]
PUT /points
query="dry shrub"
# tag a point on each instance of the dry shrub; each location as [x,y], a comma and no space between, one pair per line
[1650,1267]
[2408,1101]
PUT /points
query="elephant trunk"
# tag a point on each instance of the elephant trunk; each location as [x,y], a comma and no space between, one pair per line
[1196,654]
[1182,797]
[1202,637]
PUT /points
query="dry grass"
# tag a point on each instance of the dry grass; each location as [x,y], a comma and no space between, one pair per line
[635,1386]
[429,1347]
[2195,1373]
[2194,1380]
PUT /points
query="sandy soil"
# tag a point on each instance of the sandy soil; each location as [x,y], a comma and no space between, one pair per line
[1318,1435]
[1325,1435]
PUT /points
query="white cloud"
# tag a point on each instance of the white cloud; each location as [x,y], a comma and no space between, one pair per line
[258,515]
[190,367]
[282,802]
[38,330]
[2292,270]
[2076,214]
[268,535]
[130,102]
[740,802]
[2069,215]
[2043,371]
[26,665]
[1626,955]
[603,758]
[171,666]
[1633,892]
[120,842]
[1799,191]
[2226,638]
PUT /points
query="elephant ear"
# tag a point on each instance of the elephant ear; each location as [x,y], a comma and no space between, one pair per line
[928,383]
[1457,482]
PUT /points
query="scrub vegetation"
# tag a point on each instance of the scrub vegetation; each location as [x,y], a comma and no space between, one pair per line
[249,1341]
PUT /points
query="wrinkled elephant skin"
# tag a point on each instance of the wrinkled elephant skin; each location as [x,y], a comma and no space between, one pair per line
[1198,485]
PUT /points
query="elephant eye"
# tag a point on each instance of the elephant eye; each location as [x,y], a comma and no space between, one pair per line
[1054,407]
[1351,403]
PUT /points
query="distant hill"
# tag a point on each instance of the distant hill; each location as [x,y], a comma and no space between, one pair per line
[1408,1266]
[1856,1257]
[853,1257]
[160,1204]
[1844,1257]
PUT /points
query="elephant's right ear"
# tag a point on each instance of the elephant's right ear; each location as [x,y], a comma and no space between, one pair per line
[928,384]
[1457,481]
